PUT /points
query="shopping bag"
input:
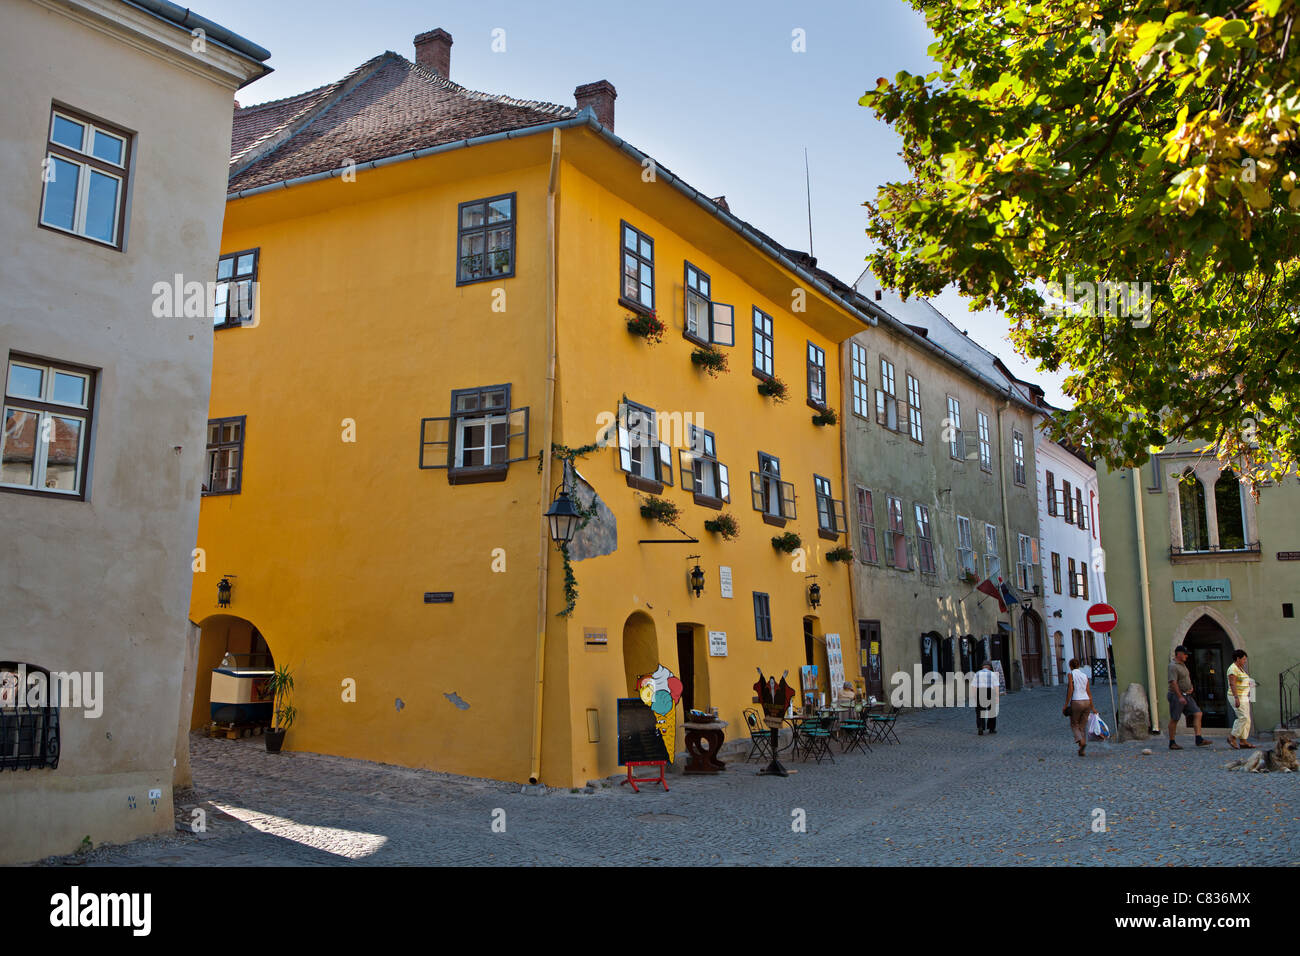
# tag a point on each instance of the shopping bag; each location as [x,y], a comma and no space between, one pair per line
[1097,729]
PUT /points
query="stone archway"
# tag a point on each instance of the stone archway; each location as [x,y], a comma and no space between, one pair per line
[1210,640]
[221,635]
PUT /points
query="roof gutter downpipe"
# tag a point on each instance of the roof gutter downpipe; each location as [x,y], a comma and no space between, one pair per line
[1145,582]
[548,426]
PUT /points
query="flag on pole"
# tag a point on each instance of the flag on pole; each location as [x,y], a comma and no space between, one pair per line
[988,587]
[1007,597]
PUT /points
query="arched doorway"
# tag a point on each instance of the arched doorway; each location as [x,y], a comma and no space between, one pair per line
[1058,644]
[1211,653]
[1031,648]
[235,655]
[640,648]
[814,647]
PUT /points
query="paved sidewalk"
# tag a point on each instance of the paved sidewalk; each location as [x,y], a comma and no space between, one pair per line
[944,796]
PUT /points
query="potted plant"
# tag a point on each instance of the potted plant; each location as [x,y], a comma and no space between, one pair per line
[826,416]
[710,359]
[280,686]
[647,326]
[724,525]
[842,553]
[774,389]
[968,577]
[786,542]
[659,509]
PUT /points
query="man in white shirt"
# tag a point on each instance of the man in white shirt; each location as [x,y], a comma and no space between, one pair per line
[985,685]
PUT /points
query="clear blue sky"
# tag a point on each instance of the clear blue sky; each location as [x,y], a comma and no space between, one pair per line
[711,89]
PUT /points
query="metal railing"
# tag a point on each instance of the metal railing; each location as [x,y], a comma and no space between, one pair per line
[1288,696]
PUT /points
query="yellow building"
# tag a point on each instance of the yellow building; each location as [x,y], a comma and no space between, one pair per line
[443,280]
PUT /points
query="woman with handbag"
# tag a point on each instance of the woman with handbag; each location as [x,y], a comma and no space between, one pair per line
[1078,703]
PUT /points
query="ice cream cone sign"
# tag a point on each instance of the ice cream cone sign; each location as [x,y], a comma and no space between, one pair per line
[660,691]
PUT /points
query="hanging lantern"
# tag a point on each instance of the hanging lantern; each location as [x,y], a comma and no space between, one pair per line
[697,580]
[814,593]
[223,592]
[563,518]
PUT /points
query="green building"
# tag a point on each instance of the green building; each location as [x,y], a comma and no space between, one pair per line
[1193,558]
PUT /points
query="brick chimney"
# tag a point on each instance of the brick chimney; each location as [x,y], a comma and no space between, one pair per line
[433,51]
[600,97]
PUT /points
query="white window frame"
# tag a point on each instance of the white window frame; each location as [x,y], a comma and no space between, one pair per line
[956,444]
[992,559]
[1018,455]
[92,163]
[986,447]
[914,429]
[45,425]
[966,562]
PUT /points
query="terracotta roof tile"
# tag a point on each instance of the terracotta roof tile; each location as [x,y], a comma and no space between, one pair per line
[387,106]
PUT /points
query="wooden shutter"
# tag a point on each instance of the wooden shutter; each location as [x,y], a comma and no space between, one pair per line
[687,462]
[787,500]
[517,435]
[756,489]
[665,463]
[724,482]
[724,323]
[435,432]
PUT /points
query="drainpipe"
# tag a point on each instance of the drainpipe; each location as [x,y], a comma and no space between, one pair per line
[1145,581]
[1006,525]
[548,425]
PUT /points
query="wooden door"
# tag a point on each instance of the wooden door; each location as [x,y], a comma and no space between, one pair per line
[1031,650]
[872,669]
[686,665]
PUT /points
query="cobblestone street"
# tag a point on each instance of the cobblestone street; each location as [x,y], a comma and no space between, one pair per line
[943,796]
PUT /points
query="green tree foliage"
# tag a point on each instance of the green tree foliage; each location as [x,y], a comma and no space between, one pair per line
[1066,143]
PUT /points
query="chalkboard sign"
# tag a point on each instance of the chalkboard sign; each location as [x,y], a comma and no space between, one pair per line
[637,737]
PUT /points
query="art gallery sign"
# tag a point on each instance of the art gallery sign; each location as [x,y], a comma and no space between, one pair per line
[1208,589]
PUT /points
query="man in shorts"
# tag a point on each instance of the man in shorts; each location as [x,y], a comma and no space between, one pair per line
[1181,700]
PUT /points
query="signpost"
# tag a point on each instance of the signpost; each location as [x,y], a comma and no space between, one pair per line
[1102,618]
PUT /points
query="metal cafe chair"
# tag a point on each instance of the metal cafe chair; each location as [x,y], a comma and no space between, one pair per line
[883,726]
[814,738]
[760,736]
[857,732]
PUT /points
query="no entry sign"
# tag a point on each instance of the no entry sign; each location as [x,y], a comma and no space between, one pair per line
[1102,618]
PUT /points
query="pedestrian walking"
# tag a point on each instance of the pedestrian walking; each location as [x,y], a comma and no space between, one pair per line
[1239,687]
[1181,699]
[986,693]
[1078,703]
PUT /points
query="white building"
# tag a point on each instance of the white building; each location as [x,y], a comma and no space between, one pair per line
[1073,568]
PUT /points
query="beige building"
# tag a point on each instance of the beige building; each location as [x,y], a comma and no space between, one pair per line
[114,141]
[939,439]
